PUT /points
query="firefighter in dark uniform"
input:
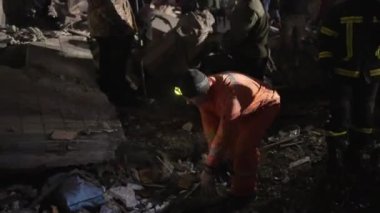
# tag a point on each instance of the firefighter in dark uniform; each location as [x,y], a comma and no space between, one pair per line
[112,24]
[350,52]
[247,41]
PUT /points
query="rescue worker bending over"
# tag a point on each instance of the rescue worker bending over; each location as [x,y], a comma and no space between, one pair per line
[350,52]
[236,111]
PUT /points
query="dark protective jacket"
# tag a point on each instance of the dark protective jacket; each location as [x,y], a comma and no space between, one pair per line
[294,7]
[110,18]
[248,36]
[350,39]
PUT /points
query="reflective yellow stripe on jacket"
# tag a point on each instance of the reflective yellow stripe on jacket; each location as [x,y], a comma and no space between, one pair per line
[329,32]
[374,72]
[349,21]
[347,73]
[377,53]
[335,134]
[354,73]
[364,130]
[325,54]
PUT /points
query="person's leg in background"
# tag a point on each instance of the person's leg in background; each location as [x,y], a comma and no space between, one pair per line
[113,55]
[286,58]
[258,68]
[105,58]
[361,133]
[337,126]
[299,33]
[254,67]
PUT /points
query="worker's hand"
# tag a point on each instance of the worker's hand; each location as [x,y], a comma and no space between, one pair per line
[208,183]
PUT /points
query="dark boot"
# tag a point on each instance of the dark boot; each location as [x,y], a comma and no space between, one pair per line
[375,156]
[335,149]
[353,158]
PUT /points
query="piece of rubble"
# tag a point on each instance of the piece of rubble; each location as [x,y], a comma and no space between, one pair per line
[293,130]
[146,175]
[110,208]
[167,166]
[63,135]
[187,126]
[144,193]
[299,162]
[126,195]
[185,181]
[290,144]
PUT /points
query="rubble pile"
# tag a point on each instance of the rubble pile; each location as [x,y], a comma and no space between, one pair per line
[292,150]
[13,35]
[104,188]
[159,167]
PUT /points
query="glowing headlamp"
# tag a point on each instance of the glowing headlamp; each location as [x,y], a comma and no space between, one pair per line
[177,91]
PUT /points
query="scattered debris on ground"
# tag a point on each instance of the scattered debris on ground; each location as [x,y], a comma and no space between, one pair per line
[157,170]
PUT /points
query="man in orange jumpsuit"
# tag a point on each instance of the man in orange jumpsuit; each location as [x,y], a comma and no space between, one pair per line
[236,110]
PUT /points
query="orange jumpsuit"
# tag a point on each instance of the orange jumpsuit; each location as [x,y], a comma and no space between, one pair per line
[235,115]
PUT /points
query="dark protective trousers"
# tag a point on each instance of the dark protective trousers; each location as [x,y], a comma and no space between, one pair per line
[352,108]
[113,54]
[254,67]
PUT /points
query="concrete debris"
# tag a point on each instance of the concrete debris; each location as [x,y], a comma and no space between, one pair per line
[167,146]
[141,196]
[125,194]
[146,175]
[13,35]
[69,12]
[284,136]
[63,135]
[187,126]
[167,166]
[299,162]
[186,181]
[15,198]
[110,209]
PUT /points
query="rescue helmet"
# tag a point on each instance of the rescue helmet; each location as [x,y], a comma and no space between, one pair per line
[192,83]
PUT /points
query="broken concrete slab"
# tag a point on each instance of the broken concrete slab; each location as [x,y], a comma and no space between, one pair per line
[68,56]
[34,108]
[63,135]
